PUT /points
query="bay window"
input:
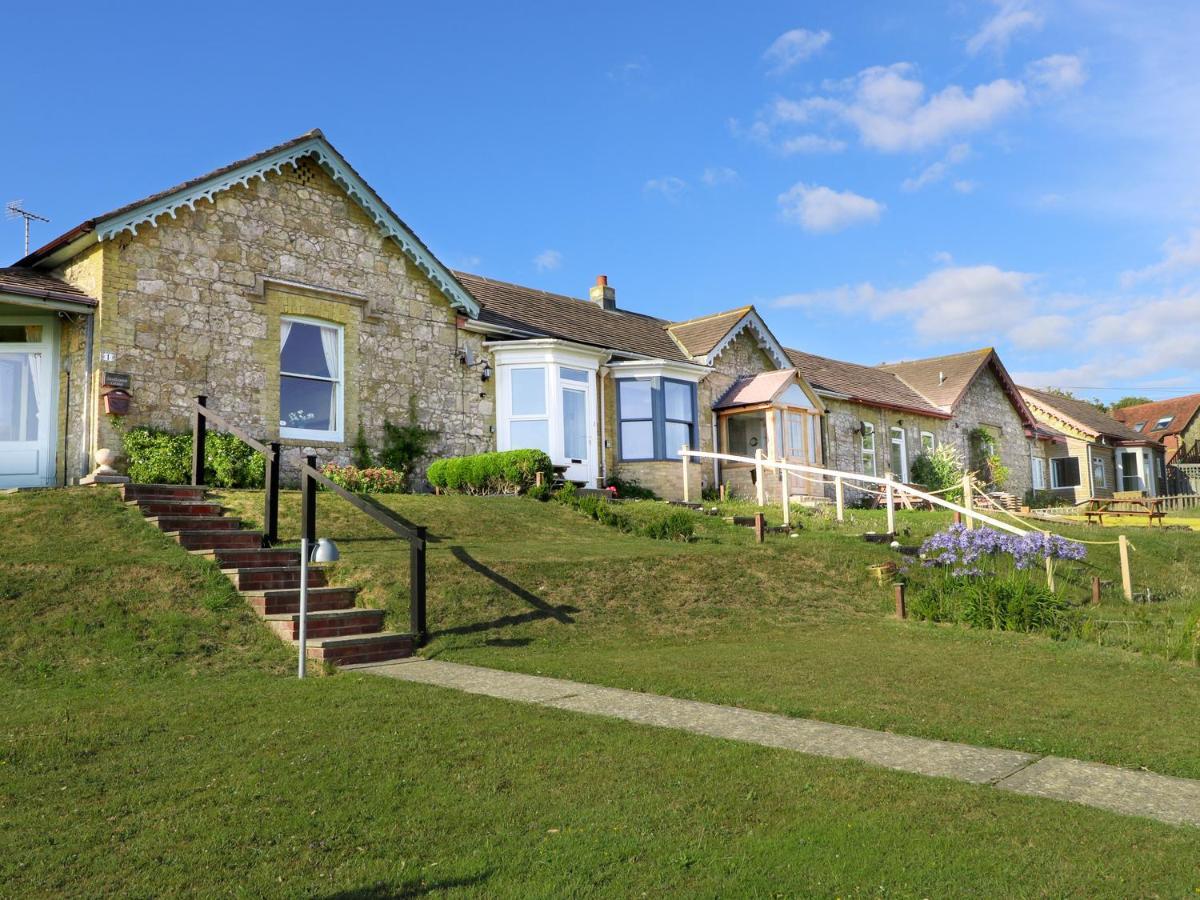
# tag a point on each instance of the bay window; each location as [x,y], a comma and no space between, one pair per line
[528,416]
[310,380]
[656,416]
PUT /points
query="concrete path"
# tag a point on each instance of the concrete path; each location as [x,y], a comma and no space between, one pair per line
[1135,793]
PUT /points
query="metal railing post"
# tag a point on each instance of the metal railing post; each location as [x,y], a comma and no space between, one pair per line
[199,426]
[308,502]
[416,588]
[271,498]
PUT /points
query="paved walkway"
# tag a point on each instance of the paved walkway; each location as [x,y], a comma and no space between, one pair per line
[1134,793]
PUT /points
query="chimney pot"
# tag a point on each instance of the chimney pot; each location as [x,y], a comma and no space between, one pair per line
[602,280]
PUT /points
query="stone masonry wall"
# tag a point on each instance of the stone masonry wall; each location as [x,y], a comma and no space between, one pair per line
[192,307]
[986,405]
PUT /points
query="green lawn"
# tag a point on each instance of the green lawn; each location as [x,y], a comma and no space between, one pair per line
[152,743]
[795,626]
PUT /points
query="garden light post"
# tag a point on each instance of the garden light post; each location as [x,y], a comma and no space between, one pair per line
[325,551]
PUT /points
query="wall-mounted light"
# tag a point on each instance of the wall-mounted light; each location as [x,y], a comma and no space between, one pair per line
[467,358]
[486,372]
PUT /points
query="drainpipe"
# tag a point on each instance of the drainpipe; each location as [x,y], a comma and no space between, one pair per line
[601,374]
[85,440]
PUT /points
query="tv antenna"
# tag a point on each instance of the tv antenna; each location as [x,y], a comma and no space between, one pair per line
[15,209]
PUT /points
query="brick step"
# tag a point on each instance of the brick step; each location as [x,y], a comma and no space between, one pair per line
[194,523]
[159,507]
[328,623]
[211,539]
[254,558]
[361,648]
[258,579]
[162,492]
[273,601]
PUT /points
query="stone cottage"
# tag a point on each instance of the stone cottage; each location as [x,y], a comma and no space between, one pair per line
[285,289]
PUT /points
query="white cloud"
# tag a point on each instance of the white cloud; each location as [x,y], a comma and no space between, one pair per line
[668,185]
[548,260]
[1178,255]
[965,185]
[1012,17]
[715,175]
[1057,74]
[816,208]
[888,111]
[1042,332]
[937,171]
[795,46]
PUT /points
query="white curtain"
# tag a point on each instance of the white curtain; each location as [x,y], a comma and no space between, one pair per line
[329,344]
[35,373]
[285,328]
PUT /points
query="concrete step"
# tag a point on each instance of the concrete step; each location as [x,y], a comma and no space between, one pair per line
[361,648]
[158,507]
[162,492]
[273,601]
[254,558]
[209,539]
[258,579]
[328,623]
[194,523]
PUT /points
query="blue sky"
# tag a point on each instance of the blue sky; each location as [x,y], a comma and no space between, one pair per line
[882,180]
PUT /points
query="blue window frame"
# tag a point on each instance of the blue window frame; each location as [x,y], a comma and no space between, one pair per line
[655,417]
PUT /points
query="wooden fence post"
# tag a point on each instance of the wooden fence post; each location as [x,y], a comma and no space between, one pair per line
[901,608]
[760,528]
[787,497]
[839,497]
[682,449]
[968,500]
[1126,576]
[199,427]
[271,498]
[1095,590]
[758,476]
[1050,573]
[890,493]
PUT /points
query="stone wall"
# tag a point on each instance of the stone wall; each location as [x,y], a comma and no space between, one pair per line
[192,307]
[986,405]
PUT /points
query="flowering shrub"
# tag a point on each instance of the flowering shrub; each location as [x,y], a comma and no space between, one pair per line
[989,579]
[966,552]
[376,480]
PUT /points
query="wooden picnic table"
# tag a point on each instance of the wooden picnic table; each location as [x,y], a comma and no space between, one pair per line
[1149,508]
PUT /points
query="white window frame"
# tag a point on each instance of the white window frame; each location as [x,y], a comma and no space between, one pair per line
[1039,473]
[1054,482]
[1164,422]
[336,435]
[868,429]
[898,437]
[930,445]
[547,370]
[1102,480]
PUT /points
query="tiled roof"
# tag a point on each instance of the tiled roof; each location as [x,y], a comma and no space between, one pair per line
[864,384]
[750,389]
[570,318]
[1082,413]
[32,283]
[700,336]
[942,380]
[1181,410]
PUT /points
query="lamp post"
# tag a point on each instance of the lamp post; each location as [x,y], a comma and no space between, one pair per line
[325,551]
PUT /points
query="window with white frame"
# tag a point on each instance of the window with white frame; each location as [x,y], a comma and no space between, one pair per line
[657,416]
[867,440]
[1039,473]
[1064,472]
[1099,472]
[928,442]
[311,384]
[1139,426]
[528,411]
[1163,423]
[899,457]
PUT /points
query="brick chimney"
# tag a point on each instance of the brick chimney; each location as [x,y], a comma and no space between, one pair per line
[601,294]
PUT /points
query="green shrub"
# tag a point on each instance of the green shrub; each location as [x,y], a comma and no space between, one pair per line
[360,456]
[155,456]
[405,445]
[506,472]
[540,492]
[374,480]
[628,489]
[1018,602]
[1044,499]
[938,470]
[677,526]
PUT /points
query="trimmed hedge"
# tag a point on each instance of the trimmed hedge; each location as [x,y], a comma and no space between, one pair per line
[165,457]
[505,472]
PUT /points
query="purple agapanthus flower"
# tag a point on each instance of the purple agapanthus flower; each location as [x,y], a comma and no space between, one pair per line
[962,549]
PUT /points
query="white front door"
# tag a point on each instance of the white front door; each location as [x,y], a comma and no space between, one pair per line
[578,410]
[28,389]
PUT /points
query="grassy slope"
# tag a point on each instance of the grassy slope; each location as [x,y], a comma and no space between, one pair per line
[796,626]
[151,746]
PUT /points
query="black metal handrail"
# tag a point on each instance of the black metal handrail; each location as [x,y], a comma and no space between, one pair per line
[416,535]
[202,415]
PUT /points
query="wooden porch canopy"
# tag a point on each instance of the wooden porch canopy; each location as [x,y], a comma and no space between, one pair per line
[781,414]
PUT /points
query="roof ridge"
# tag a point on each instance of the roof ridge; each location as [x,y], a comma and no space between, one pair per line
[729,312]
[555,296]
[926,359]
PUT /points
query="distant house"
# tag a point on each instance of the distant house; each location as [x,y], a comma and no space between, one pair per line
[1082,452]
[1174,422]
[284,288]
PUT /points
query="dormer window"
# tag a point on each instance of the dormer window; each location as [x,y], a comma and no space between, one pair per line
[1162,423]
[1139,426]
